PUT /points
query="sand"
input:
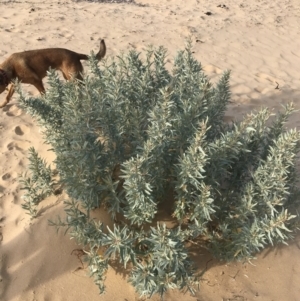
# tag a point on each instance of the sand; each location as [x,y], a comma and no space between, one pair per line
[257,40]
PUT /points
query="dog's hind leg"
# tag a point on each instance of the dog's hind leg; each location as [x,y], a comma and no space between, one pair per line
[72,71]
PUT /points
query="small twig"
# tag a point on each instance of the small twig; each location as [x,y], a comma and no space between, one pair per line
[207,264]
[211,285]
[277,87]
[234,275]
[78,253]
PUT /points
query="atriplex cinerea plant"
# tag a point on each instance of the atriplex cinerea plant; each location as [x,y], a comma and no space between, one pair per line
[136,139]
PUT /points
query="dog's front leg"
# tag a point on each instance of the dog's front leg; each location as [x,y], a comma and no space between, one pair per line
[10,93]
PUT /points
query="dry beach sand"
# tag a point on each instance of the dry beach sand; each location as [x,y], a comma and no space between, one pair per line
[259,40]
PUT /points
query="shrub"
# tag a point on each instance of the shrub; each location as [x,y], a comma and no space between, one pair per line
[139,140]
[38,184]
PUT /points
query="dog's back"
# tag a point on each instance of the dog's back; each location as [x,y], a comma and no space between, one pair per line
[39,61]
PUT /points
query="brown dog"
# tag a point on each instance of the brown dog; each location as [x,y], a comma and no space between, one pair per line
[30,67]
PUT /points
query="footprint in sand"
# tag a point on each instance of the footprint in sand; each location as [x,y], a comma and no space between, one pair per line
[9,176]
[6,176]
[241,89]
[19,145]
[22,129]
[21,163]
[13,111]
[212,69]
[266,77]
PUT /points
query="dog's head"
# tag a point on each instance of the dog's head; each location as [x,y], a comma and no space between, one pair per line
[4,81]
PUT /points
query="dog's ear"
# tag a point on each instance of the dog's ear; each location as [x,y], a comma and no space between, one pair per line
[3,78]
[2,87]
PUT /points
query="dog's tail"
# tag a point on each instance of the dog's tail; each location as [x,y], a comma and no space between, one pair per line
[100,55]
[102,51]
